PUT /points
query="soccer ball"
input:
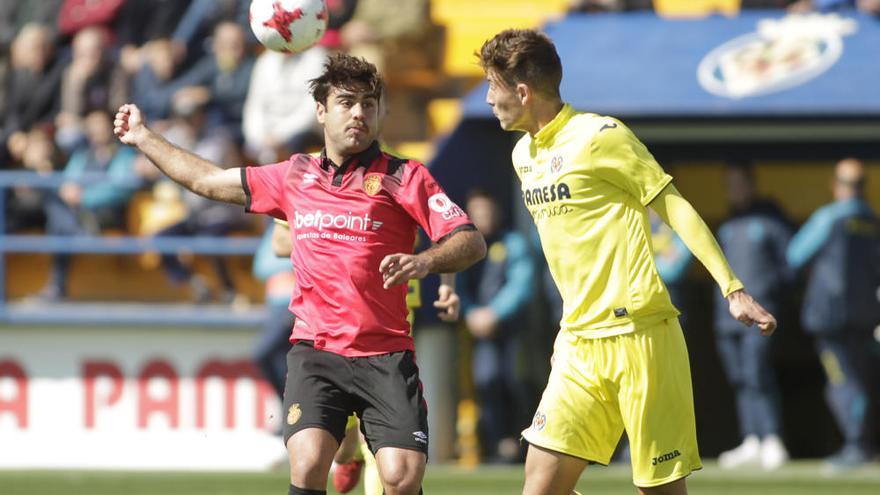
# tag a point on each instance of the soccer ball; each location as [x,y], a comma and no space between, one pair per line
[288,26]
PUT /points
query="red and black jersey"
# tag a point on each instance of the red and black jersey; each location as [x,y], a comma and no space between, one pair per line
[343,221]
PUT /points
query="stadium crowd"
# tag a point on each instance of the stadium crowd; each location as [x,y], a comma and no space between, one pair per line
[195,70]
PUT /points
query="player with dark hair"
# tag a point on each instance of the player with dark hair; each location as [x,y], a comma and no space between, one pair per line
[353,213]
[620,361]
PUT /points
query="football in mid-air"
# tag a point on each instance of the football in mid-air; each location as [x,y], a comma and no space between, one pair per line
[288,26]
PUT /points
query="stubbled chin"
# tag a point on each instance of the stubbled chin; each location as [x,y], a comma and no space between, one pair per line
[356,145]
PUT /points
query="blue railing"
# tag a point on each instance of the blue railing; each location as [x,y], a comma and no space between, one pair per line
[112,313]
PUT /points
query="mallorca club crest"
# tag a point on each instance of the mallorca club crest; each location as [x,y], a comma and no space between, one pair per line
[372,184]
[293,414]
[780,54]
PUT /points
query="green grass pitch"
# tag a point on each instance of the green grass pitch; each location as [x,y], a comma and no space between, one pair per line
[798,478]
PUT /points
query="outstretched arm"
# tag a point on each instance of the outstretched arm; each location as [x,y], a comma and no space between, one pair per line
[461,250]
[192,172]
[679,214]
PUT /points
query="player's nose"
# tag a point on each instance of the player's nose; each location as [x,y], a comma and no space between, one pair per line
[357,111]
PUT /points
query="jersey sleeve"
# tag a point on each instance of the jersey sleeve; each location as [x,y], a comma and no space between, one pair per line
[617,156]
[424,200]
[264,188]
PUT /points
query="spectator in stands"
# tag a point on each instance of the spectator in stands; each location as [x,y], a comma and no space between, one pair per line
[841,308]
[279,113]
[276,271]
[140,22]
[152,85]
[15,14]
[494,293]
[24,205]
[87,84]
[754,238]
[203,217]
[387,41]
[91,207]
[220,80]
[200,20]
[32,87]
[75,15]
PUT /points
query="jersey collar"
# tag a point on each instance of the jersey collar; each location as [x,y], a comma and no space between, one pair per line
[549,131]
[363,159]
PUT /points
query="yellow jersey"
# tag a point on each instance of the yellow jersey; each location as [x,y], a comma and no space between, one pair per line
[586,180]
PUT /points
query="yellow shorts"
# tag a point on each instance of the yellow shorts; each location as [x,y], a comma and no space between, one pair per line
[639,382]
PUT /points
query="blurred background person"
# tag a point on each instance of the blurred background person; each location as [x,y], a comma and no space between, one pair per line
[276,272]
[24,207]
[754,238]
[841,308]
[142,21]
[76,15]
[494,294]
[152,85]
[279,112]
[31,87]
[89,81]
[189,130]
[14,15]
[99,204]
[220,79]
[398,41]
[200,19]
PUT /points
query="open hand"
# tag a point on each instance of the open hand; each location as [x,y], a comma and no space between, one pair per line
[745,309]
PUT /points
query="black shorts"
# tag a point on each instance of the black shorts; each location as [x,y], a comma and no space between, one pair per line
[323,389]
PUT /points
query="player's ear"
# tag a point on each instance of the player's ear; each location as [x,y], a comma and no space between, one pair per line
[320,112]
[523,92]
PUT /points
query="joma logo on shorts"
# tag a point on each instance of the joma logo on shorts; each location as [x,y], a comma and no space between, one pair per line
[665,457]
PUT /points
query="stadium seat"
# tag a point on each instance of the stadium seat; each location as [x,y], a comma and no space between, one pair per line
[469,24]
[443,115]
[696,8]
